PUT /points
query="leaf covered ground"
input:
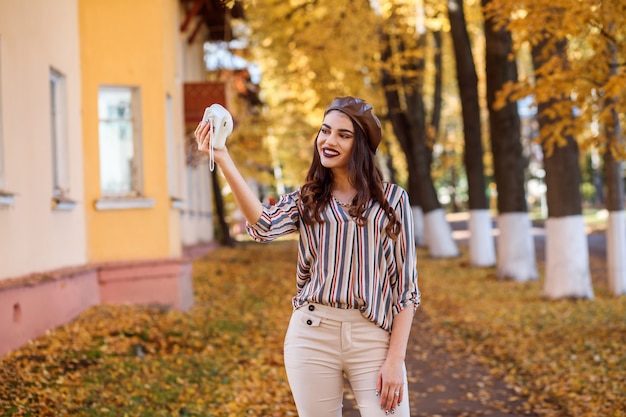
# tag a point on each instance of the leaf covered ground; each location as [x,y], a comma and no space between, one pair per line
[224,356]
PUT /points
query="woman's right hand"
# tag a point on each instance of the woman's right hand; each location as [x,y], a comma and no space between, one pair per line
[203,136]
[203,139]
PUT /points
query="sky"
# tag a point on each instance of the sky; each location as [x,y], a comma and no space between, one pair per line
[218,55]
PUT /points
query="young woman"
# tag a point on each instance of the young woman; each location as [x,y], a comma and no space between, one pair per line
[356,275]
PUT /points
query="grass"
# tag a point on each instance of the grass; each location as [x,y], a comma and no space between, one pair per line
[224,356]
[566,356]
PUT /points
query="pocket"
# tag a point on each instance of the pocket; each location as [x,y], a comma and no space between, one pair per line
[308,319]
[299,339]
[300,321]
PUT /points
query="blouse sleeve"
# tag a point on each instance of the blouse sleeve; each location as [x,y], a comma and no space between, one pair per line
[277,220]
[406,290]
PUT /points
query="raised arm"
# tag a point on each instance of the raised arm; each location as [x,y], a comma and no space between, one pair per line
[248,202]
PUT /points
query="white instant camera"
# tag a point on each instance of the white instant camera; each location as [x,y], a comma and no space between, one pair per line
[221,127]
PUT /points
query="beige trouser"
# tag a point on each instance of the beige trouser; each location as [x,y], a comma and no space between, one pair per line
[322,343]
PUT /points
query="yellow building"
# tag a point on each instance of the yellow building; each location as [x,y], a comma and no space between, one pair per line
[97,203]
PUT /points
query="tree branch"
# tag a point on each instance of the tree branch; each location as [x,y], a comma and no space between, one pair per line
[603,32]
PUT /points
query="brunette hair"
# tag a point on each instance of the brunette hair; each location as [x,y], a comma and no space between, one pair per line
[363,174]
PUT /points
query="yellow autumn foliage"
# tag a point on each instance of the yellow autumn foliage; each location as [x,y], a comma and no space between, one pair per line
[589,74]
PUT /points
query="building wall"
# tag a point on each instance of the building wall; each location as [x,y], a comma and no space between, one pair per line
[197,220]
[55,263]
[131,44]
[35,36]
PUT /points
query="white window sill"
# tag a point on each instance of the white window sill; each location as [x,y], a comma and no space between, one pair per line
[63,204]
[177,203]
[7,199]
[124,203]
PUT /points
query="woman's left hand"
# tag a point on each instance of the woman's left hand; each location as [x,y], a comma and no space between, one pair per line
[390,384]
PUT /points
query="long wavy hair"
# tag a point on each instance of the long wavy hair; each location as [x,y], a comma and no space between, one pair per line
[363,174]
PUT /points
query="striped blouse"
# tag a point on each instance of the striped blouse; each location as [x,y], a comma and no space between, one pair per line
[343,265]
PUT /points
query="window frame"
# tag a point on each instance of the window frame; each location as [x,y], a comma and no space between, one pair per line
[133,199]
[173,160]
[136,180]
[58,135]
[2,163]
[6,198]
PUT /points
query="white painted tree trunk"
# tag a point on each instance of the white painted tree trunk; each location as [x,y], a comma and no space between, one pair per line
[482,250]
[516,248]
[616,252]
[438,235]
[567,259]
[418,225]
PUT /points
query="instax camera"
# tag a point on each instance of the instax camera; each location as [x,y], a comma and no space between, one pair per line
[221,124]
[221,127]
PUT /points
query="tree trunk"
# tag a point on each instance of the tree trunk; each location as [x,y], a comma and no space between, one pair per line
[616,230]
[409,125]
[387,161]
[224,237]
[401,130]
[515,246]
[481,242]
[435,118]
[398,118]
[567,252]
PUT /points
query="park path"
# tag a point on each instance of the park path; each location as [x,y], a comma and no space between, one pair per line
[445,381]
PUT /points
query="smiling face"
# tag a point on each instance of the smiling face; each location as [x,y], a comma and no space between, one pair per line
[335,140]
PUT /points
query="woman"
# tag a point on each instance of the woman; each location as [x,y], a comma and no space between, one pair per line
[356,275]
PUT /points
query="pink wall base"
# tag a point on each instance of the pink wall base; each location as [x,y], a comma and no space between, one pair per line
[198,250]
[40,302]
[161,282]
[33,304]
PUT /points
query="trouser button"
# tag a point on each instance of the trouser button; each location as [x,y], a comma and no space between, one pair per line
[309,322]
[311,307]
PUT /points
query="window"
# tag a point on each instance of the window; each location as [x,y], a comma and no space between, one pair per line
[6,198]
[202,190]
[2,177]
[191,208]
[173,156]
[119,141]
[58,123]
[172,151]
